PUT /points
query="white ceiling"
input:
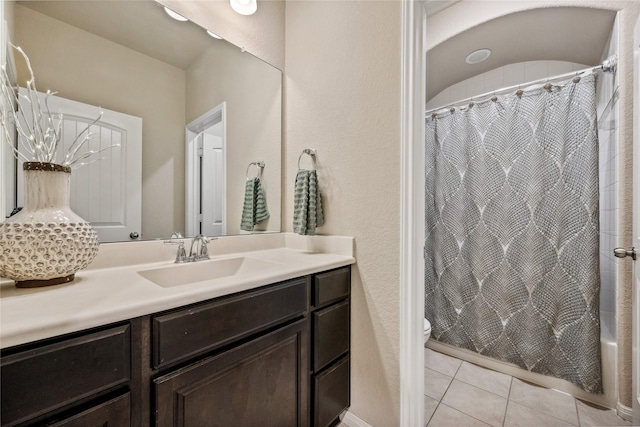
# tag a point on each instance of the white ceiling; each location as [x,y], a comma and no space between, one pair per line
[555,34]
[141,25]
[434,6]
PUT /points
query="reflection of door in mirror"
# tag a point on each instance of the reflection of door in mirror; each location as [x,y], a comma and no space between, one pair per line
[106,193]
[205,174]
[7,160]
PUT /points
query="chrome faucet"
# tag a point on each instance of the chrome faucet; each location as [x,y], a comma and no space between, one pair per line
[176,239]
[200,242]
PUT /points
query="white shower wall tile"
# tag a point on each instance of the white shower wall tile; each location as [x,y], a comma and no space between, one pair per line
[458,91]
[475,86]
[514,74]
[535,70]
[555,68]
[607,111]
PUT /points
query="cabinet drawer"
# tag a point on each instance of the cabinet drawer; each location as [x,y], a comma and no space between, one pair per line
[330,334]
[331,286]
[200,328]
[331,393]
[53,376]
[114,413]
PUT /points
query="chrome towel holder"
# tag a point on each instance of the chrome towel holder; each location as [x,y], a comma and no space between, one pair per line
[312,153]
[259,165]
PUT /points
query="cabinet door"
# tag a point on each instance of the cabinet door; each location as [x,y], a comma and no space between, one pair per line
[263,382]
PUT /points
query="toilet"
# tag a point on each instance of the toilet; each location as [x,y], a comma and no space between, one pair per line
[427,330]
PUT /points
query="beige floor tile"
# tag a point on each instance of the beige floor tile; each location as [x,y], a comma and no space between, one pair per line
[435,384]
[440,362]
[430,406]
[486,379]
[521,416]
[592,415]
[478,403]
[551,402]
[446,416]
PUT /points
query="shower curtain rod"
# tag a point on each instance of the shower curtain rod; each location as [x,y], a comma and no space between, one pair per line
[608,65]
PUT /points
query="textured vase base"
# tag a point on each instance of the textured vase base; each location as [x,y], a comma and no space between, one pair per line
[42,283]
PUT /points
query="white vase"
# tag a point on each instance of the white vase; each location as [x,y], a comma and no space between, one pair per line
[46,243]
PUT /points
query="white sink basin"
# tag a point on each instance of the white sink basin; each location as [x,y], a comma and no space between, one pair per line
[183,274]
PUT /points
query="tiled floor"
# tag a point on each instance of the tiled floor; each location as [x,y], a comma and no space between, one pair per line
[461,394]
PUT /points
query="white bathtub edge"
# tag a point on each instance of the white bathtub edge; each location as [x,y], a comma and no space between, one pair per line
[609,368]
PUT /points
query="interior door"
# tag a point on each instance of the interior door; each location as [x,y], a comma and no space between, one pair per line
[212,185]
[636,225]
[106,193]
[205,176]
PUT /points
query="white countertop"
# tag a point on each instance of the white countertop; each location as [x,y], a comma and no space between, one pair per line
[112,290]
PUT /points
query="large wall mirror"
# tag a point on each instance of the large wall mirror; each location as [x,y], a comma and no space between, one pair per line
[207,109]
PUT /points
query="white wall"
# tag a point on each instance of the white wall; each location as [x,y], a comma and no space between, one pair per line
[343,99]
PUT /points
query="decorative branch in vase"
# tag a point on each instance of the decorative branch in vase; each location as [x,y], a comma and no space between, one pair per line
[46,243]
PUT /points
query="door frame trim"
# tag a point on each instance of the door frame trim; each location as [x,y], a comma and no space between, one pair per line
[413,81]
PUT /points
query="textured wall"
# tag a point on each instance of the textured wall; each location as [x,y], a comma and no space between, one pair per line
[466,14]
[262,33]
[131,90]
[343,99]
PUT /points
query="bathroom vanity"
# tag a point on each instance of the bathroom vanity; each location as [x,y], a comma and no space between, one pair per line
[273,354]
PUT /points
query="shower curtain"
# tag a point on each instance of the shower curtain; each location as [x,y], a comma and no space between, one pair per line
[512,234]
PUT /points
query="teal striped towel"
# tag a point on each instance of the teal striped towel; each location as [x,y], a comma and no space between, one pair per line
[254,209]
[307,203]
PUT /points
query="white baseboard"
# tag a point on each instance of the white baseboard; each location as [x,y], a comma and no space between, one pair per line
[353,421]
[624,412]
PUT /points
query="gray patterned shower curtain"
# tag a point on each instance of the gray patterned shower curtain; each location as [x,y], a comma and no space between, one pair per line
[512,233]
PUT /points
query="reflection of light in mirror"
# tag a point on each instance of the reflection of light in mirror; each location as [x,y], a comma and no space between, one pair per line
[244,7]
[174,15]
[214,35]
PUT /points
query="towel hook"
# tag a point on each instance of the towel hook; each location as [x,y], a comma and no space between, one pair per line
[311,152]
[259,165]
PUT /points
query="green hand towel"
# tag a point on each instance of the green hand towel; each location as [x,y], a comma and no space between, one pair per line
[254,210]
[307,203]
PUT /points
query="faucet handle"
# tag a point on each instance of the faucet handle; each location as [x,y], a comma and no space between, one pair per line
[181,256]
[203,252]
[175,239]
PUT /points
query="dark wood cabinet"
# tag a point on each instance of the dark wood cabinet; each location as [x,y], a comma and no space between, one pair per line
[260,383]
[331,393]
[277,356]
[48,379]
[331,335]
[197,329]
[115,412]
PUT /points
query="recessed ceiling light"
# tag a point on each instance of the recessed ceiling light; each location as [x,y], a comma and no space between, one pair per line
[174,15]
[214,35]
[244,7]
[478,56]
